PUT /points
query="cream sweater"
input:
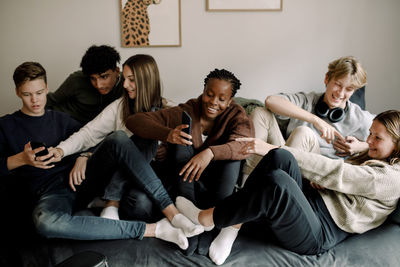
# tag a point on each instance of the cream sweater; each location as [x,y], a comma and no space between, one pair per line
[358,197]
[108,121]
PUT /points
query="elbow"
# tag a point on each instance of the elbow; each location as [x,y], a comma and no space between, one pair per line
[268,101]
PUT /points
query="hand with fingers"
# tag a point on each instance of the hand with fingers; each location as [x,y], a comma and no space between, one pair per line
[179,137]
[77,174]
[196,165]
[327,131]
[253,145]
[30,158]
[349,146]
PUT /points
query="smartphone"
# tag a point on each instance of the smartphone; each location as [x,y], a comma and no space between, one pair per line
[39,144]
[186,119]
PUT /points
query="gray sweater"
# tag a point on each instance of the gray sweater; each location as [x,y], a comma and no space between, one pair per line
[358,197]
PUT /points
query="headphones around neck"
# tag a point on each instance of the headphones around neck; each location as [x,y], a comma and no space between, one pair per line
[322,110]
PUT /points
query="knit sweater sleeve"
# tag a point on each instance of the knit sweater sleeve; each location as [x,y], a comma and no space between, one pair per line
[238,126]
[374,179]
[94,131]
[155,125]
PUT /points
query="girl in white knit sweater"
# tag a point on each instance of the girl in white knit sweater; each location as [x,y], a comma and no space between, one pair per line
[344,197]
[142,94]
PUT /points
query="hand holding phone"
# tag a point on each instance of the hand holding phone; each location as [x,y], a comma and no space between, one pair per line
[35,145]
[186,119]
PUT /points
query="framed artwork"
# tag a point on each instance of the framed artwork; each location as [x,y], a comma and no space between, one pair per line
[147,23]
[244,5]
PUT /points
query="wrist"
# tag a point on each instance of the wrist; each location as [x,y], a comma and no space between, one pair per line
[210,153]
[60,151]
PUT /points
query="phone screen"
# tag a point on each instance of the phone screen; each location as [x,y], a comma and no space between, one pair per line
[39,144]
[186,119]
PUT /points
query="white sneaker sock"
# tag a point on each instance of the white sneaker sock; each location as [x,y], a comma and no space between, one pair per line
[110,212]
[221,246]
[186,207]
[188,227]
[165,231]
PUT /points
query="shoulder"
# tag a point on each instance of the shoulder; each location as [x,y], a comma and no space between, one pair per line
[78,75]
[78,79]
[302,98]
[6,119]
[355,111]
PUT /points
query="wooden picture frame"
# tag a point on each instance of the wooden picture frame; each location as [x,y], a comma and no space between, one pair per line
[150,23]
[244,5]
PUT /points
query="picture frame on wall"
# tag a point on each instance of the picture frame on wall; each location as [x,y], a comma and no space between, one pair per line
[244,5]
[150,23]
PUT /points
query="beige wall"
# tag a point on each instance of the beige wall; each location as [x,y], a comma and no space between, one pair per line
[268,51]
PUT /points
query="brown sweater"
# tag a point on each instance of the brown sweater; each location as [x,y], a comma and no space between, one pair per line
[232,123]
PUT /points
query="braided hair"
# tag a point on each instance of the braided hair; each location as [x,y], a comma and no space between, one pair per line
[225,75]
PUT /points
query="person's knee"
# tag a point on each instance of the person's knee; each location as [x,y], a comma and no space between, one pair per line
[47,223]
[304,138]
[182,154]
[261,114]
[117,137]
[303,131]
[277,156]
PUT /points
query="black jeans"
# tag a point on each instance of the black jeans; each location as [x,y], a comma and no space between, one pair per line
[273,196]
[216,182]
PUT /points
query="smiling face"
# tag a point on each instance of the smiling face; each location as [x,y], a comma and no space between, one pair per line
[33,95]
[105,82]
[217,96]
[129,82]
[380,142]
[338,91]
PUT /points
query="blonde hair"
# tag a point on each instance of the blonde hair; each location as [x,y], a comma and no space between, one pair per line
[148,86]
[344,66]
[391,120]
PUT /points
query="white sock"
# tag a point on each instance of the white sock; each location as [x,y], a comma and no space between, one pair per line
[110,212]
[188,227]
[186,206]
[221,246]
[165,231]
[97,203]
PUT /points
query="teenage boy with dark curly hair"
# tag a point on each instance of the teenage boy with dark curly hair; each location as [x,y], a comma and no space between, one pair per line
[84,94]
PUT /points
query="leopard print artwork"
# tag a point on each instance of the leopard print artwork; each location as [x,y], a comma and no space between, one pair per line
[135,22]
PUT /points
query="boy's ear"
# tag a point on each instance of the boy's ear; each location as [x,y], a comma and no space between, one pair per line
[17,91]
[326,80]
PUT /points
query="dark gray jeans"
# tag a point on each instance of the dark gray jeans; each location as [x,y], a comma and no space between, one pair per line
[273,196]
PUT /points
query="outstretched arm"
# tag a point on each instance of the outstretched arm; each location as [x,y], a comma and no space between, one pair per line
[284,107]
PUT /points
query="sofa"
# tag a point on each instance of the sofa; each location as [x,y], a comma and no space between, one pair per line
[378,247]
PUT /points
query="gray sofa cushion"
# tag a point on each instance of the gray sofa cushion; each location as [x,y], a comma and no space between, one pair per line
[379,247]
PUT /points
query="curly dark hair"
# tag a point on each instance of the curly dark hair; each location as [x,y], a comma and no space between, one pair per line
[225,75]
[99,59]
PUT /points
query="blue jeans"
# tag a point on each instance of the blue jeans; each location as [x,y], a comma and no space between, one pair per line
[273,196]
[118,184]
[53,214]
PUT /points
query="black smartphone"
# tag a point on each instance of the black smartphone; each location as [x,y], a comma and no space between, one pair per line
[186,119]
[35,145]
